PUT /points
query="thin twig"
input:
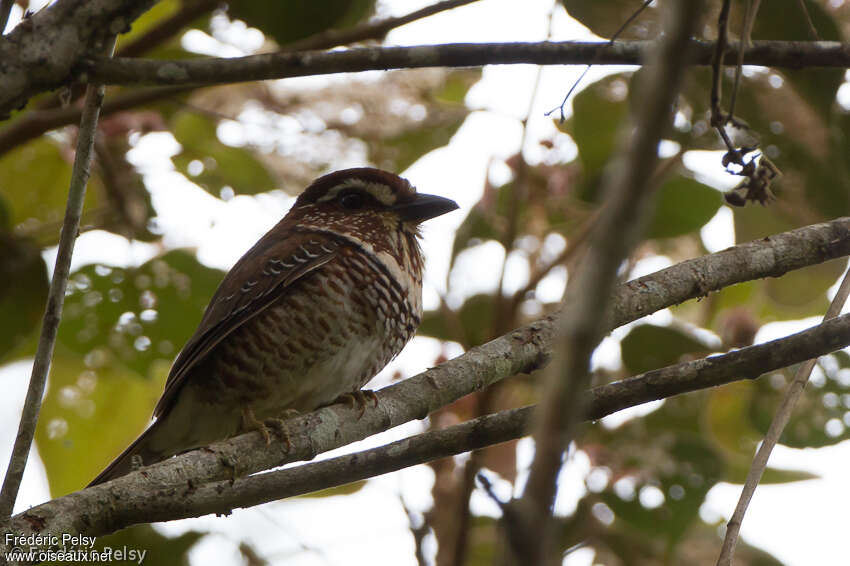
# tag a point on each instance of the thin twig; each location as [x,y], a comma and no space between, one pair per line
[717,118]
[614,36]
[749,19]
[418,531]
[55,298]
[627,190]
[370,30]
[813,32]
[774,432]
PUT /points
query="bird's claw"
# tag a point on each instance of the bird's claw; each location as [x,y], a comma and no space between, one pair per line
[358,399]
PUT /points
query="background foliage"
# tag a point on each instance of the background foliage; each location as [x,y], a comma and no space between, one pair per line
[649,476]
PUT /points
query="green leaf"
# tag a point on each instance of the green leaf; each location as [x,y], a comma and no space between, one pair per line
[23,292]
[91,412]
[402,151]
[34,180]
[819,418]
[605,17]
[296,19]
[345,489]
[737,473]
[485,221]
[682,206]
[120,331]
[136,317]
[160,550]
[159,13]
[649,347]
[235,167]
[470,326]
[787,21]
[598,112]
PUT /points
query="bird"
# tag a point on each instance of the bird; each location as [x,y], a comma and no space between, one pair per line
[314,310]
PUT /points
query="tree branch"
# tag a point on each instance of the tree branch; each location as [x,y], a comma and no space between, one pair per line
[284,64]
[42,51]
[26,74]
[139,497]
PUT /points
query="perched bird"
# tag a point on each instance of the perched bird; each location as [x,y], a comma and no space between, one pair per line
[310,313]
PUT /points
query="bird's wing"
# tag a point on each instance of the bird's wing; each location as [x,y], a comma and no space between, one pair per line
[257,280]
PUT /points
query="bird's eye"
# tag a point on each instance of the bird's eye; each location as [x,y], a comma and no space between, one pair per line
[351,200]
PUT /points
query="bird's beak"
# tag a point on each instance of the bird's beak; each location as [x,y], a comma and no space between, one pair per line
[424,207]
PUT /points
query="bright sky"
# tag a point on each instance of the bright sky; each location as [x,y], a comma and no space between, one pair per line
[802,523]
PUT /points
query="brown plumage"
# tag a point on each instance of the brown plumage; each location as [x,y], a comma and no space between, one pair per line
[312,311]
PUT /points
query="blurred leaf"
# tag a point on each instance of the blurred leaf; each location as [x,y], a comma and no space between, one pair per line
[346,489]
[785,20]
[136,317]
[605,17]
[23,292]
[488,219]
[120,331]
[737,473]
[484,541]
[34,180]
[297,19]
[475,320]
[129,199]
[648,347]
[161,12]
[5,215]
[91,412]
[727,419]
[403,150]
[820,416]
[161,550]
[598,112]
[664,452]
[155,15]
[444,113]
[222,165]
[796,294]
[683,206]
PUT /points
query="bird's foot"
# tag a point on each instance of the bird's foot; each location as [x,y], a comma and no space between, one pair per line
[250,422]
[358,399]
[280,428]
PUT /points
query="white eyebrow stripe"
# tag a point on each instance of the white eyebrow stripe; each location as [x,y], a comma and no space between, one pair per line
[380,191]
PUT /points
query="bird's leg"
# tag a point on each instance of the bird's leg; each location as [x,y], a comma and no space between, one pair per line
[250,422]
[358,399]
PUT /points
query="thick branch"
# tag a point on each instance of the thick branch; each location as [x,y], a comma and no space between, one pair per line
[133,499]
[285,64]
[522,350]
[41,52]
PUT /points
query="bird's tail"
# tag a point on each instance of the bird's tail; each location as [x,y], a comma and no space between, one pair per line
[141,447]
